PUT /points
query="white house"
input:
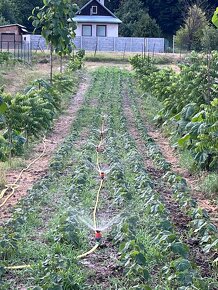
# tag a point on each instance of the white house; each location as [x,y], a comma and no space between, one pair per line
[96,20]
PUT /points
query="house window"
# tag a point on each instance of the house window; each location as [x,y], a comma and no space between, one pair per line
[94,10]
[87,30]
[101,30]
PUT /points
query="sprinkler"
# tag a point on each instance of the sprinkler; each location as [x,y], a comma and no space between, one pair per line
[98,236]
[98,149]
[102,175]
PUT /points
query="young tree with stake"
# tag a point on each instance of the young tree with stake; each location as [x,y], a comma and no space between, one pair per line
[56,24]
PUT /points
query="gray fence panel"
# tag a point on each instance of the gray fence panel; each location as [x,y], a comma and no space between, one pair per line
[119,44]
[38,42]
[123,44]
[155,44]
[106,43]
[138,44]
[77,42]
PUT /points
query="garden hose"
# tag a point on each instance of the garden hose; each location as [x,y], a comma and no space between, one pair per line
[18,267]
[96,204]
[97,197]
[89,252]
[14,185]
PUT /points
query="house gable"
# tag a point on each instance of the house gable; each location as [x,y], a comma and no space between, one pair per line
[101,10]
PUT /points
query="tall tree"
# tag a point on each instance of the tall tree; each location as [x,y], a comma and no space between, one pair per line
[190,34]
[129,12]
[167,13]
[146,27]
[8,11]
[24,11]
[3,21]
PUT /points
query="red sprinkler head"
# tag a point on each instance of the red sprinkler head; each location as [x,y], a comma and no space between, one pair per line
[102,175]
[98,236]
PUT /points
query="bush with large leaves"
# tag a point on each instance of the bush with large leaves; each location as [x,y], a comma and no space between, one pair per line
[28,115]
[189,102]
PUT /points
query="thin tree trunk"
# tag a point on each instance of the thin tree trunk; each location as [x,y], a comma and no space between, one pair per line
[61,64]
[209,81]
[10,144]
[51,64]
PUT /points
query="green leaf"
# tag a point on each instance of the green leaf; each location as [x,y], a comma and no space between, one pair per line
[184,139]
[140,259]
[146,275]
[182,265]
[3,108]
[180,248]
[215,18]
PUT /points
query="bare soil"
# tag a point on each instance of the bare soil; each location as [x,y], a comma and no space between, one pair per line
[40,168]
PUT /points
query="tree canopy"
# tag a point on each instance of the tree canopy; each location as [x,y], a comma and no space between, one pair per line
[166,16]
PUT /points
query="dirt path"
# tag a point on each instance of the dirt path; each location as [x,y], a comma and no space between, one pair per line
[179,219]
[40,168]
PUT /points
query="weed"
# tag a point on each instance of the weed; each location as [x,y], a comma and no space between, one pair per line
[187,161]
[209,185]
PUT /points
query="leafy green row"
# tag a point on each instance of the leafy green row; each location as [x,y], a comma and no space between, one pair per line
[53,201]
[189,101]
[31,113]
[146,236]
[200,225]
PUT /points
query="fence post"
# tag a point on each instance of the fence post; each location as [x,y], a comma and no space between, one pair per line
[174,44]
[21,50]
[31,52]
[147,44]
[28,52]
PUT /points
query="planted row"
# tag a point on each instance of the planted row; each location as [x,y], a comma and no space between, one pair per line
[200,224]
[31,113]
[189,103]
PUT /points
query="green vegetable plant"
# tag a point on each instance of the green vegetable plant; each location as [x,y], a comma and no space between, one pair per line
[189,103]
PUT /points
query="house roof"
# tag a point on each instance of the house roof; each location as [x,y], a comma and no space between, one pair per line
[15,24]
[96,19]
[23,28]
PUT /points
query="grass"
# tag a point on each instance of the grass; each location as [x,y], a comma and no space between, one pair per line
[187,161]
[2,177]
[209,185]
[151,106]
[121,57]
[102,57]
[14,78]
[16,164]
